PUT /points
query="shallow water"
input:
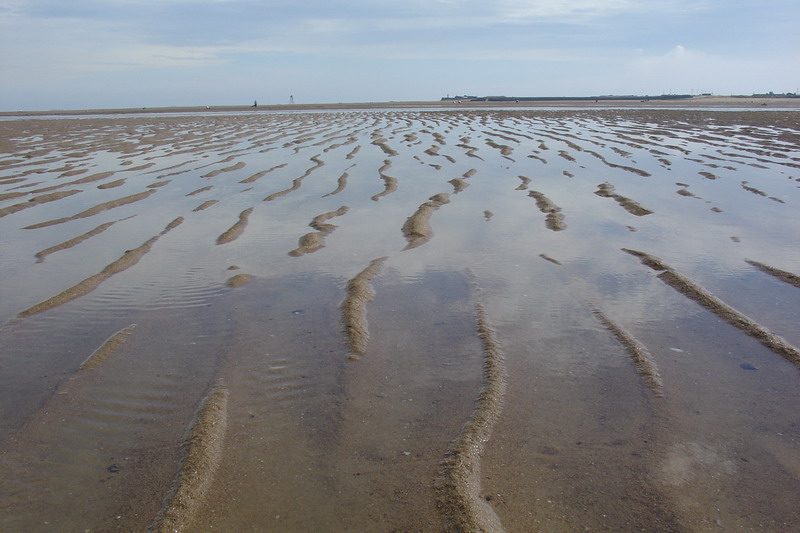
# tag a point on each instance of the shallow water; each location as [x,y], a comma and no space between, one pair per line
[472,210]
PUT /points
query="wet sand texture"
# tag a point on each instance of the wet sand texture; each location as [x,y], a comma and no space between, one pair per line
[470,150]
[238,166]
[94,177]
[405,435]
[459,487]
[358,293]
[158,184]
[341,183]
[73,242]
[205,205]
[110,346]
[238,280]
[638,352]
[554,219]
[202,451]
[390,183]
[201,189]
[565,155]
[417,228]
[44,198]
[697,293]
[626,168]
[119,183]
[261,174]
[505,149]
[235,231]
[311,242]
[96,209]
[548,258]
[381,143]
[128,259]
[458,185]
[434,151]
[308,243]
[787,277]
[606,190]
[297,182]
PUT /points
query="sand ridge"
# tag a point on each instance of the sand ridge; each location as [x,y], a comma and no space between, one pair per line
[235,231]
[645,364]
[787,277]
[203,448]
[390,183]
[311,242]
[584,440]
[554,219]
[110,346]
[341,183]
[74,241]
[297,182]
[358,293]
[417,228]
[459,487]
[95,210]
[606,190]
[697,293]
[129,259]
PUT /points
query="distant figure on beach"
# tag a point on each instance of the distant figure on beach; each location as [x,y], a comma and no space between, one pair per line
[255,103]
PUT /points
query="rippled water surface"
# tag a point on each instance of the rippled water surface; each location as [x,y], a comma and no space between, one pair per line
[401,321]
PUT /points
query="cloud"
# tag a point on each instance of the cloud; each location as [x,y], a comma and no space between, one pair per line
[685,70]
[68,45]
[511,46]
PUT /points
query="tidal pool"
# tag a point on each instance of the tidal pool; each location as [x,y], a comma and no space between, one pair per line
[488,320]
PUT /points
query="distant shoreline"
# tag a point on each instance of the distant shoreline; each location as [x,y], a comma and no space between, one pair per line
[739,102]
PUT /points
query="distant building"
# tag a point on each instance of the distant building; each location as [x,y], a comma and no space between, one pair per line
[565,98]
[465,97]
[773,95]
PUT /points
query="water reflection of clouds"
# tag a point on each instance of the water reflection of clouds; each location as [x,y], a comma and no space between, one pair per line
[682,230]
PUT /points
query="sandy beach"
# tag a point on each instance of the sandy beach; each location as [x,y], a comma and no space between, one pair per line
[417,316]
[719,102]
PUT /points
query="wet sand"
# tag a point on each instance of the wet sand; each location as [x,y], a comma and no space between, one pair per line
[430,318]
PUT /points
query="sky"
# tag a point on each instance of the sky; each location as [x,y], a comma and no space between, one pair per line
[90,54]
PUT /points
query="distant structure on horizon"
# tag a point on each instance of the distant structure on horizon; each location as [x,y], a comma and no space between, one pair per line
[627,97]
[467,98]
[775,95]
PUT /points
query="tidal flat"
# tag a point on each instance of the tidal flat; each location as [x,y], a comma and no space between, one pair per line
[406,320]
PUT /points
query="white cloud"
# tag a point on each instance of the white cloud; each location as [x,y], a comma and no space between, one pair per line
[684,70]
[511,46]
[525,10]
